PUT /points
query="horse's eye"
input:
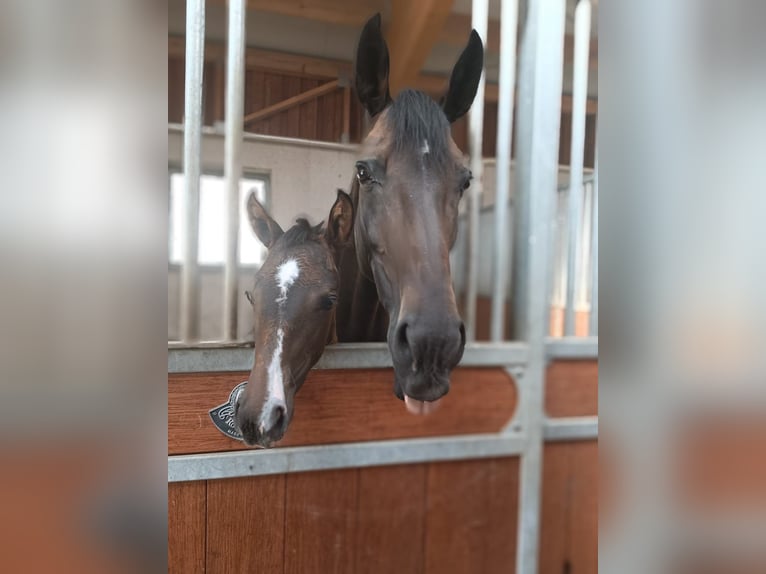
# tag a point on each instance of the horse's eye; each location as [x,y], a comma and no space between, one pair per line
[363,173]
[328,302]
[466,181]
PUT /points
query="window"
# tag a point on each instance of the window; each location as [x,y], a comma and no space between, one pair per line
[212,208]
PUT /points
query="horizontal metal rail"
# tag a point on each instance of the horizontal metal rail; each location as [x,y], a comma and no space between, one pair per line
[222,358]
[570,428]
[349,455]
[580,348]
[377,453]
[217,357]
[208,131]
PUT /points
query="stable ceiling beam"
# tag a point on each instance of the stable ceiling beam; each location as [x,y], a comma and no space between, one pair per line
[344,12]
[454,30]
[412,33]
[458,26]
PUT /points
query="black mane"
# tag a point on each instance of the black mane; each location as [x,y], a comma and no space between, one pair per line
[302,232]
[414,117]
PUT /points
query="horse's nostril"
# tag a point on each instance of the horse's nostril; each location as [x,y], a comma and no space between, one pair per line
[462,334]
[401,336]
[279,417]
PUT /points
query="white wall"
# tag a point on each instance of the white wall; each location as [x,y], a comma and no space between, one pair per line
[304,176]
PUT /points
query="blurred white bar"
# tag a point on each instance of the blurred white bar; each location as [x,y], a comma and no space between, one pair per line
[579,111]
[195,52]
[508,25]
[235,111]
[479,17]
[586,234]
[593,327]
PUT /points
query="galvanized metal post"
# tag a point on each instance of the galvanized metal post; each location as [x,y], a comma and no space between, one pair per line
[479,17]
[579,111]
[508,25]
[195,52]
[584,253]
[593,326]
[235,112]
[539,118]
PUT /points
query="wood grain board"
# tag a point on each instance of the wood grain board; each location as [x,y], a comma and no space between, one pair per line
[246,524]
[342,406]
[186,527]
[571,389]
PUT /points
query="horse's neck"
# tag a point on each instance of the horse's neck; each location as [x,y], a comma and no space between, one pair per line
[360,316]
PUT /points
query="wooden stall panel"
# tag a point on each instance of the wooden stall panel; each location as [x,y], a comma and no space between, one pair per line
[571,389]
[583,507]
[472,514]
[391,519]
[186,527]
[246,524]
[342,406]
[321,511]
[569,514]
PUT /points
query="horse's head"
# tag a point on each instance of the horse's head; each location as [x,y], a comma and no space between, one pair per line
[410,176]
[293,315]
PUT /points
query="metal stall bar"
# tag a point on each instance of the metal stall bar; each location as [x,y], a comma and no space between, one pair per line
[584,252]
[214,358]
[195,52]
[235,112]
[579,111]
[571,428]
[508,25]
[218,465]
[539,118]
[479,18]
[593,327]
[345,455]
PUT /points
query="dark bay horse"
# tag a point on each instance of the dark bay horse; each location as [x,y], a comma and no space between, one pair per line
[294,304]
[410,176]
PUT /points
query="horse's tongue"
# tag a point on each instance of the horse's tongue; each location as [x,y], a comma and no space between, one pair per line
[417,407]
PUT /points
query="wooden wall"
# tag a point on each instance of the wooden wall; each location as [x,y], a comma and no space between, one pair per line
[445,518]
[320,119]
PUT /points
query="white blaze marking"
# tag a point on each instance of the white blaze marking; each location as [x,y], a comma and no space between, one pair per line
[287,273]
[425,149]
[275,392]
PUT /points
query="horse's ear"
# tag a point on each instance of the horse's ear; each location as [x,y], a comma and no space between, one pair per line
[265,228]
[464,80]
[341,220]
[371,72]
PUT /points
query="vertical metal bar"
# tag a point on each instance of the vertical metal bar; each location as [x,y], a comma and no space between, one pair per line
[235,113]
[508,25]
[593,326]
[539,118]
[579,111]
[195,55]
[479,17]
[583,279]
